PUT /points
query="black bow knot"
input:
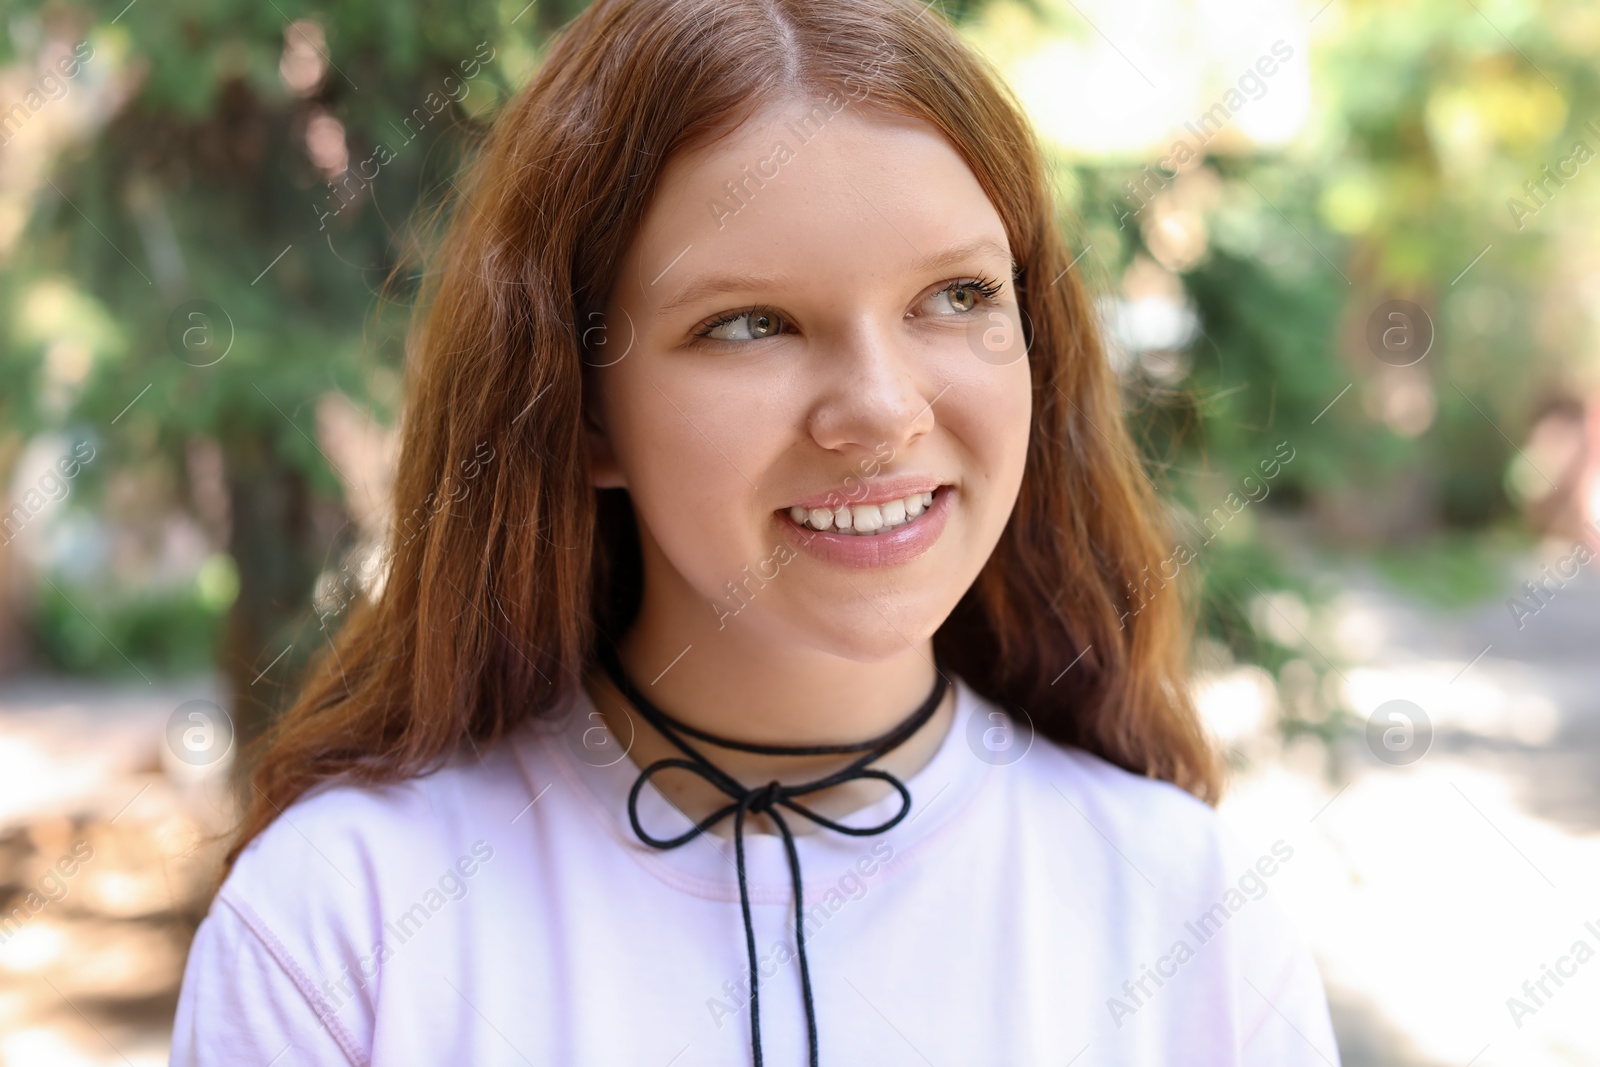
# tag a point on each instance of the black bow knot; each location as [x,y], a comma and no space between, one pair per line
[766,799]
[763,799]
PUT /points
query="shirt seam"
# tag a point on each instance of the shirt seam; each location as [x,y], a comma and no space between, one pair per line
[1270,1006]
[280,954]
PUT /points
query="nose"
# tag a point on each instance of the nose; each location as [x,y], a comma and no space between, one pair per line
[870,393]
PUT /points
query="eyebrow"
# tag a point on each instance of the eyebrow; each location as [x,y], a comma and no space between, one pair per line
[709,285]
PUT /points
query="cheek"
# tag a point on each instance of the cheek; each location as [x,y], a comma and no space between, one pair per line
[690,448]
[993,419]
[1017,402]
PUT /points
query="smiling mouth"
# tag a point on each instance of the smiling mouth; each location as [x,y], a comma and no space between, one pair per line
[864,520]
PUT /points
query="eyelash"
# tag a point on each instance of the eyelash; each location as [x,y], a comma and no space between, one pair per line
[987,289]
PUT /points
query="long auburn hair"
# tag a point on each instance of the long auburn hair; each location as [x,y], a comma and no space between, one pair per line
[488,614]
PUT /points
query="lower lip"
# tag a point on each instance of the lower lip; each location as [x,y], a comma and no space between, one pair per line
[900,545]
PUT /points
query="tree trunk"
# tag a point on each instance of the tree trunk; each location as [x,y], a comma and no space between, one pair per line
[14,642]
[269,539]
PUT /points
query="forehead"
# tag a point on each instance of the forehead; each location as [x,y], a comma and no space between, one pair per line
[804,181]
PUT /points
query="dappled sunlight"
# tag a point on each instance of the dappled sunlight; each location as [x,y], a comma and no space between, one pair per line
[1429,892]
[110,861]
[1492,700]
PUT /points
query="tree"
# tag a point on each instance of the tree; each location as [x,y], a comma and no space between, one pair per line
[242,282]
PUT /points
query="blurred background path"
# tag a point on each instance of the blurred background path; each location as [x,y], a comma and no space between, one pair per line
[90,973]
[1432,891]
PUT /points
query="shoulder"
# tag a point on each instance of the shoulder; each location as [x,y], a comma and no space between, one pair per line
[344,841]
[317,885]
[1120,795]
[1168,881]
[1127,800]
[1142,841]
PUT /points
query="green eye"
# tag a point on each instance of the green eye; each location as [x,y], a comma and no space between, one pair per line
[752,325]
[966,294]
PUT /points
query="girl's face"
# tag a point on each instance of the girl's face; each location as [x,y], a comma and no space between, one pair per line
[815,324]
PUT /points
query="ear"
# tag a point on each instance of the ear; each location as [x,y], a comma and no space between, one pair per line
[604,470]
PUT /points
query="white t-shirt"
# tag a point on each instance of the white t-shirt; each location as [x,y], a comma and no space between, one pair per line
[1050,909]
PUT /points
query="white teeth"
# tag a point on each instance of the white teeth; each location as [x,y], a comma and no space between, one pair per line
[863,519]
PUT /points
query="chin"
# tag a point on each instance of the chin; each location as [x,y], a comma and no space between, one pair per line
[863,634]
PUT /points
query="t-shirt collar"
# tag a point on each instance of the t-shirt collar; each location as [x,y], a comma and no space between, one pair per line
[591,762]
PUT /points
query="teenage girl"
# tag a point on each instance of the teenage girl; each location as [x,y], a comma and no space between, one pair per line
[787,687]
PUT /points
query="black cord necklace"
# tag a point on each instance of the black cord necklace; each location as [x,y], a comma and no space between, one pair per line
[766,799]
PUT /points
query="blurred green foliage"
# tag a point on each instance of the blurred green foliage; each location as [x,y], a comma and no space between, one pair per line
[163,632]
[203,186]
[1430,117]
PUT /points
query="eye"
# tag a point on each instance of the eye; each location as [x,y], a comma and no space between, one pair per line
[750,325]
[965,294]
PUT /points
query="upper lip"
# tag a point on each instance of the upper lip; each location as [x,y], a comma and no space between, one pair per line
[879,491]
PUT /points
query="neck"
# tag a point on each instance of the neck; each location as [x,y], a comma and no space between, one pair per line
[747,687]
[732,684]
